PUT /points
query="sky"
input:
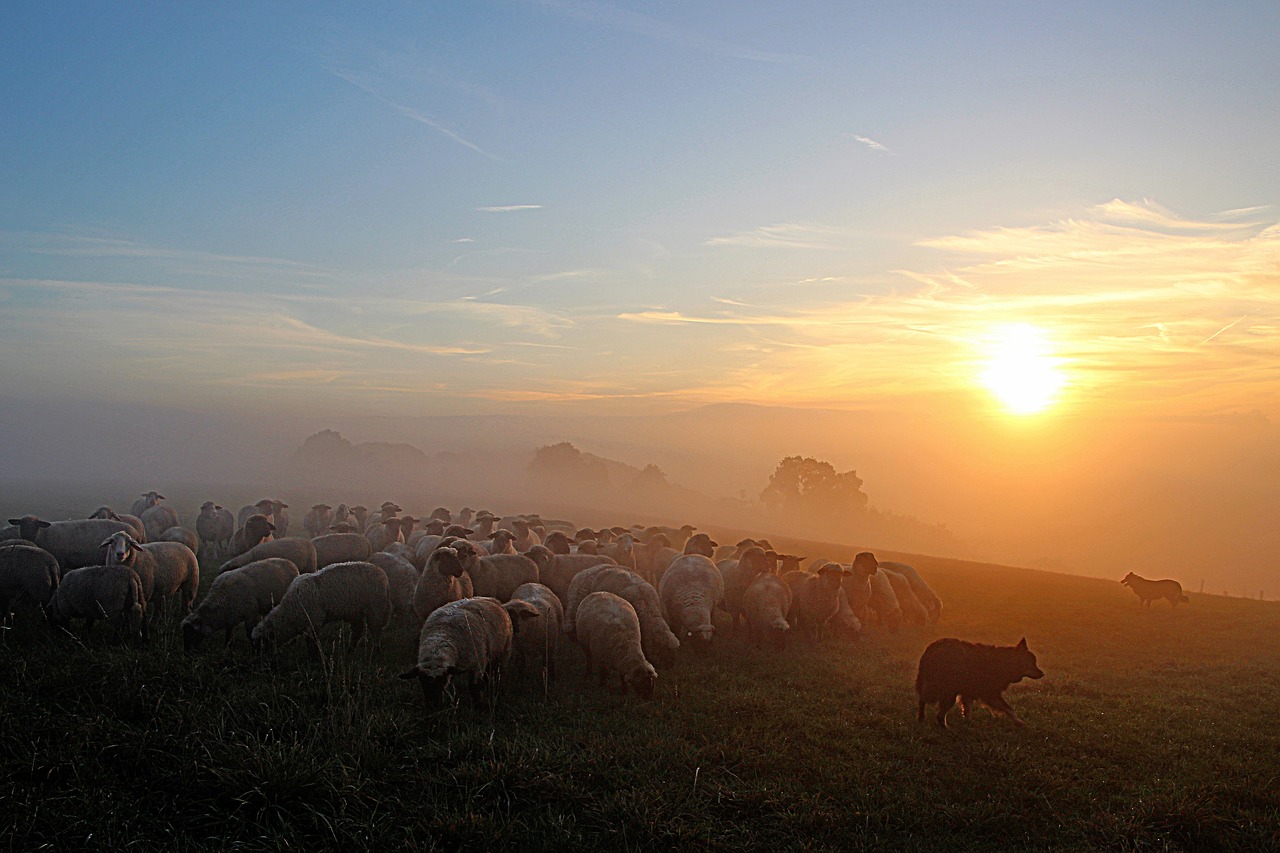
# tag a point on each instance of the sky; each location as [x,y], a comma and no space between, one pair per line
[423,208]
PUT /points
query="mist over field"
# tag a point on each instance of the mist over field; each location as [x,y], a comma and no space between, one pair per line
[1188,498]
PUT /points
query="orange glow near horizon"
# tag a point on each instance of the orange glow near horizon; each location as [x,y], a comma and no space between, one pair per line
[1020,371]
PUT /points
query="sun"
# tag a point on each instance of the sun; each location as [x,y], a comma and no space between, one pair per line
[1020,371]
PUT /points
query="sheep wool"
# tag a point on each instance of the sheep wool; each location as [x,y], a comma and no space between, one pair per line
[356,593]
[656,639]
[27,573]
[402,581]
[609,632]
[295,549]
[536,640]
[239,595]
[765,604]
[470,637]
[340,548]
[499,575]
[690,588]
[927,597]
[106,592]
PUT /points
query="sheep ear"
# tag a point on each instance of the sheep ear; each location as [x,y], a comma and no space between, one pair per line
[43,523]
[270,526]
[15,521]
[413,673]
[105,542]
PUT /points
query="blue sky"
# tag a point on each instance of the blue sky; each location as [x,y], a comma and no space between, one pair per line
[485,204]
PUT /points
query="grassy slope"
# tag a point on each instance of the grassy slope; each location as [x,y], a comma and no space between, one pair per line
[1151,730]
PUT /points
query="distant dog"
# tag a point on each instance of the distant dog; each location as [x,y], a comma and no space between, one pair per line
[1149,591]
[951,669]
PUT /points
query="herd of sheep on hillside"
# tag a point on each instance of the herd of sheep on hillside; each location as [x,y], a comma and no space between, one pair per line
[482,589]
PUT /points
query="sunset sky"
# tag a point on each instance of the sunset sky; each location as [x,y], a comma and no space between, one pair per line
[1032,252]
[468,204]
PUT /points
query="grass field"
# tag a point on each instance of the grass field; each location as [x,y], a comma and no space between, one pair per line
[1152,730]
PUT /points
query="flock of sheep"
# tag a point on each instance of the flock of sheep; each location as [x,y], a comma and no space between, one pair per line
[483,589]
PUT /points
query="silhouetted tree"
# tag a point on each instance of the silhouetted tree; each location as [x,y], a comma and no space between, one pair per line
[811,487]
[564,464]
[651,479]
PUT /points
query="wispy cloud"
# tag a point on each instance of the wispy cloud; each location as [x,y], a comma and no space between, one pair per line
[871,143]
[508,208]
[625,20]
[787,235]
[413,113]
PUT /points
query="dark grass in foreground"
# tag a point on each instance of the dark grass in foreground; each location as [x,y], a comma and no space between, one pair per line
[1151,730]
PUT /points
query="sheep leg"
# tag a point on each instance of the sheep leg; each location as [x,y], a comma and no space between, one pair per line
[920,710]
[357,631]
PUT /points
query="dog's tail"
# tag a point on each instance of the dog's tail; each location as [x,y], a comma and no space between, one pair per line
[1184,599]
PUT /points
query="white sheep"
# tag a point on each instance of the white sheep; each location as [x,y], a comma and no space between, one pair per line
[884,602]
[913,611]
[537,638]
[164,568]
[926,596]
[340,548]
[857,584]
[402,580]
[689,590]
[815,597]
[470,637]
[557,570]
[738,575]
[656,639]
[157,520]
[27,573]
[498,575]
[215,526]
[101,592]
[765,604]
[295,549]
[846,622]
[318,519]
[356,593]
[139,532]
[608,630]
[440,581]
[240,595]
[74,544]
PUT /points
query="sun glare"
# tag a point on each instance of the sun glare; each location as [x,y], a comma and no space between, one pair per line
[1019,370]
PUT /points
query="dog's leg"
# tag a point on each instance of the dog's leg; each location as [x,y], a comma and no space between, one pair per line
[945,705]
[997,704]
[965,704]
[920,711]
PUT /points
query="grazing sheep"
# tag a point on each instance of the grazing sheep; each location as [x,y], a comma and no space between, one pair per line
[857,584]
[440,581]
[498,575]
[656,639]
[689,590]
[927,597]
[101,592]
[183,535]
[402,581]
[240,595]
[356,593]
[74,544]
[402,550]
[139,532]
[765,604]
[256,530]
[215,527]
[27,572]
[537,638]
[846,622]
[263,507]
[318,519]
[815,597]
[557,570]
[738,575]
[470,637]
[164,568]
[295,549]
[146,502]
[884,602]
[609,632]
[340,548]
[157,520]
[1148,590]
[912,610]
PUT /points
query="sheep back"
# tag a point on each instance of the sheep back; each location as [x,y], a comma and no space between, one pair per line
[295,549]
[355,592]
[498,575]
[340,548]
[242,595]
[470,636]
[690,588]
[26,571]
[608,630]
[93,592]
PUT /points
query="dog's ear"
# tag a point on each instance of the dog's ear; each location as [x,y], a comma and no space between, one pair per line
[1022,644]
